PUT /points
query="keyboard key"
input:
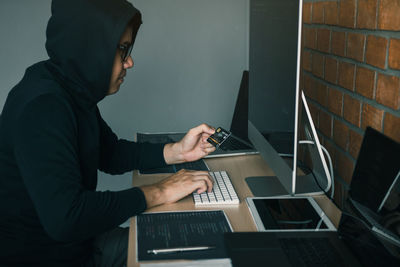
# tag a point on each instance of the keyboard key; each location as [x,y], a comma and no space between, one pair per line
[223,192]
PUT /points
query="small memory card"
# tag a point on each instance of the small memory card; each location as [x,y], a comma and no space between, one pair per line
[218,137]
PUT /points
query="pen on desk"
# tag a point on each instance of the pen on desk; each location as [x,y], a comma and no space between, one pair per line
[175,250]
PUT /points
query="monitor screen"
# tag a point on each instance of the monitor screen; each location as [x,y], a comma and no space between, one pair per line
[273,55]
[274,69]
[391,201]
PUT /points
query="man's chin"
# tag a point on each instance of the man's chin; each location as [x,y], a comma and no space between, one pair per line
[113,90]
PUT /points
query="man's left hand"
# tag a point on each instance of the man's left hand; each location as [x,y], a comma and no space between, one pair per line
[193,146]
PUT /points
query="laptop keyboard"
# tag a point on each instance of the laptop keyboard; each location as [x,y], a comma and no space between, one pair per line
[234,144]
[311,252]
[373,220]
[222,193]
[198,165]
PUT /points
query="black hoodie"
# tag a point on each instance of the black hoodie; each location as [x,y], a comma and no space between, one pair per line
[53,140]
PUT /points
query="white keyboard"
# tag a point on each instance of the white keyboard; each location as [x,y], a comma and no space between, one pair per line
[223,192]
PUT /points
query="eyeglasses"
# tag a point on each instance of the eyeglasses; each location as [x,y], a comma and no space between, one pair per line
[125,51]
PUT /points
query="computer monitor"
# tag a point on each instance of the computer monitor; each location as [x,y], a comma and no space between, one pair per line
[274,70]
[274,75]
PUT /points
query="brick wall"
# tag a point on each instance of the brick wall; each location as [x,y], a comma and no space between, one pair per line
[351,75]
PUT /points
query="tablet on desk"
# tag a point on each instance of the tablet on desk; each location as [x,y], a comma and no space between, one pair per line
[277,214]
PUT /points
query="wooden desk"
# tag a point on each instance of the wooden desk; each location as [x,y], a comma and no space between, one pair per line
[238,169]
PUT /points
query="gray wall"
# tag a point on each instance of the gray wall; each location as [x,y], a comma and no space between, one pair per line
[189,56]
[22,35]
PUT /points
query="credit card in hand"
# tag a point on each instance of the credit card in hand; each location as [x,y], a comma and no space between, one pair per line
[218,137]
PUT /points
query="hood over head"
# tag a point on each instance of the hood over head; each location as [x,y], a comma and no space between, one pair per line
[82,39]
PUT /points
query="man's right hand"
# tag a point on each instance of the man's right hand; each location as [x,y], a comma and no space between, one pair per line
[176,187]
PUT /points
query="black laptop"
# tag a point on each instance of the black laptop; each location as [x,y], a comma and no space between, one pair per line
[360,240]
[354,244]
[376,172]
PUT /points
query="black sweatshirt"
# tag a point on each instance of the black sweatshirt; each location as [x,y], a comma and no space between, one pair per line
[53,141]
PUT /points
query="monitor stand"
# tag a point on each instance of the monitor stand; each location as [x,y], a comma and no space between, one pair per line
[266,186]
[306,185]
[269,186]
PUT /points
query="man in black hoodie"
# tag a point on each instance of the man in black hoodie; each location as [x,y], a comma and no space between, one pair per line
[53,141]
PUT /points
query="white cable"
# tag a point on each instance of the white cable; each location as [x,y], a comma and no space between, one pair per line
[330,164]
[319,223]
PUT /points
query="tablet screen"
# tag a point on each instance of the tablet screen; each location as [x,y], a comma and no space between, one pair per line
[288,213]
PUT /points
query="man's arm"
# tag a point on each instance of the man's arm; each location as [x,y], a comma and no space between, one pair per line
[118,155]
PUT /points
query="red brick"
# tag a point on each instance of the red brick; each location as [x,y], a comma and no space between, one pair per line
[355,140]
[346,75]
[388,91]
[365,82]
[388,18]
[318,12]
[331,70]
[344,166]
[325,123]
[331,13]
[392,126]
[307,12]
[320,136]
[340,134]
[338,43]
[306,60]
[314,114]
[318,65]
[366,18]
[323,39]
[301,81]
[330,146]
[309,87]
[355,46]
[376,51]
[371,116]
[310,37]
[394,54]
[351,110]
[321,94]
[335,101]
[347,13]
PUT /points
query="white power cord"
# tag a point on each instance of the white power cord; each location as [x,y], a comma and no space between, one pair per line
[330,164]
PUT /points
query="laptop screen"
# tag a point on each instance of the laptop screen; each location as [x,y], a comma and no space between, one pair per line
[365,244]
[377,167]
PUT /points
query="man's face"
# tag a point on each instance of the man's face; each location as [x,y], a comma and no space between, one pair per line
[120,66]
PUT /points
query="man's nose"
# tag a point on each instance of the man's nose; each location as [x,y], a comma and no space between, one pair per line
[128,63]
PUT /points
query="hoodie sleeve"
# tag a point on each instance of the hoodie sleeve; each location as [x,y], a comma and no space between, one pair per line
[46,153]
[118,155]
